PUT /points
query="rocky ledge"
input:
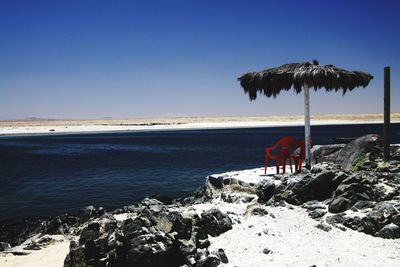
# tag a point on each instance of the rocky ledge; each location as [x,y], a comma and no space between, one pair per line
[353,189]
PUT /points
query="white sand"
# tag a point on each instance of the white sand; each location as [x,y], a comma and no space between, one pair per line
[60,129]
[295,241]
[50,256]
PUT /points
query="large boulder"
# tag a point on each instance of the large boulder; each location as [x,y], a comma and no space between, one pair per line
[215,222]
[265,191]
[90,232]
[339,204]
[318,186]
[4,246]
[355,151]
[153,250]
[321,151]
[175,222]
[390,231]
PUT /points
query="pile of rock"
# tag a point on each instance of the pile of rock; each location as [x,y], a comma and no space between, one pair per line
[363,198]
[155,235]
[16,232]
[354,188]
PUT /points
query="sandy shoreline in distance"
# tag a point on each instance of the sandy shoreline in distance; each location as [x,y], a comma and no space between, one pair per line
[47,126]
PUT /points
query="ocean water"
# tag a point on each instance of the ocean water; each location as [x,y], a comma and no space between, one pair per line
[50,175]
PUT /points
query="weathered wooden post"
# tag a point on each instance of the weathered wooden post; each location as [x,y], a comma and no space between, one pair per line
[307,132]
[386,115]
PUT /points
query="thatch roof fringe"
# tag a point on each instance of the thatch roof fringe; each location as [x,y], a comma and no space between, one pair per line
[271,82]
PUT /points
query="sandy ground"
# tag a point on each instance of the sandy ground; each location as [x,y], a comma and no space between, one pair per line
[42,126]
[51,256]
[295,241]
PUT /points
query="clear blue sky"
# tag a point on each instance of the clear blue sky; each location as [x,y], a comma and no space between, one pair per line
[81,59]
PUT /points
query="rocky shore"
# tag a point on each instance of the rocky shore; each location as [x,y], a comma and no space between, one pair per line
[345,211]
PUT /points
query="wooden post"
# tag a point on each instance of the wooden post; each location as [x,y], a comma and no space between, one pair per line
[386,115]
[307,132]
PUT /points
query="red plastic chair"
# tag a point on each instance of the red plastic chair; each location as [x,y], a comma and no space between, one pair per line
[286,145]
[298,159]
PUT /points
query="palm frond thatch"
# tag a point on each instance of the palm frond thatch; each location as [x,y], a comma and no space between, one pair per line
[271,82]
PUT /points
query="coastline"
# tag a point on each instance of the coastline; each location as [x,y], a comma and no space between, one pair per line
[8,129]
[237,213]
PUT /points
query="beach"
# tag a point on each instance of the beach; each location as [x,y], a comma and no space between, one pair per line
[36,126]
[279,234]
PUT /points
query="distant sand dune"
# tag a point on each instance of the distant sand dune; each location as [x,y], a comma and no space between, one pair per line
[184,120]
[49,126]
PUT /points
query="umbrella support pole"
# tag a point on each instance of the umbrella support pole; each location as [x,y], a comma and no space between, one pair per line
[307,132]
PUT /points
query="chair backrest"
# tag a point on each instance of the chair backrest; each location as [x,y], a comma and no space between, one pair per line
[302,145]
[287,144]
[286,141]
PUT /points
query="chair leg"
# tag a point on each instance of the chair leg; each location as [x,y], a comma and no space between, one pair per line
[265,165]
[299,165]
[290,162]
[284,165]
[277,166]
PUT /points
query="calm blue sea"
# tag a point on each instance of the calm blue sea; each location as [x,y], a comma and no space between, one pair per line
[50,175]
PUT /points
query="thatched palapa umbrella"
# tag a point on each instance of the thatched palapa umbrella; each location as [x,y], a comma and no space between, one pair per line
[299,76]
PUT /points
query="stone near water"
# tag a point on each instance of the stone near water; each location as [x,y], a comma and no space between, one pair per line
[339,204]
[215,222]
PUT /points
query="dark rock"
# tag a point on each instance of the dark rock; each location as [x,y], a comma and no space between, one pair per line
[323,227]
[203,243]
[32,246]
[4,246]
[102,245]
[216,182]
[355,151]
[395,220]
[319,152]
[87,212]
[187,248]
[174,222]
[363,177]
[230,198]
[90,232]
[222,256]
[132,228]
[265,191]
[53,226]
[317,187]
[151,202]
[323,185]
[337,218]
[352,222]
[215,222]
[316,169]
[76,256]
[209,261]
[166,200]
[390,231]
[16,232]
[369,225]
[154,250]
[362,204]
[91,252]
[266,251]
[256,210]
[318,213]
[313,205]
[339,204]
[101,211]
[354,192]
